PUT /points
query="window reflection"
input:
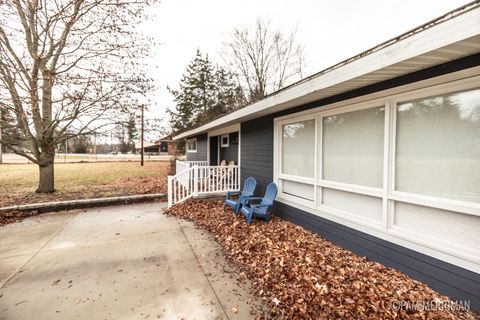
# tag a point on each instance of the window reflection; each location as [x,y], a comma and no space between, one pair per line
[298,146]
[438,146]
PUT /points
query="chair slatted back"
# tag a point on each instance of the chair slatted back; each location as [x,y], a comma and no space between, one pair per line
[270,194]
[249,187]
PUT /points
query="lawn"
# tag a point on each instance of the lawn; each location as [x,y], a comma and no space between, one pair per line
[82,180]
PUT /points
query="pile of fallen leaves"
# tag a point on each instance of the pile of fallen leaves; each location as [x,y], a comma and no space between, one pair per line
[8,217]
[299,275]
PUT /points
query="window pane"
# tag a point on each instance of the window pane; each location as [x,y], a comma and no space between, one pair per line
[358,204]
[192,144]
[438,146]
[449,226]
[298,148]
[353,147]
[298,189]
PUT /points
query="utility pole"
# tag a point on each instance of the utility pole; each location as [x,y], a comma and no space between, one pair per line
[95,146]
[141,138]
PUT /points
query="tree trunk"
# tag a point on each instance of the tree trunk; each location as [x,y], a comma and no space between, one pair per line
[46,183]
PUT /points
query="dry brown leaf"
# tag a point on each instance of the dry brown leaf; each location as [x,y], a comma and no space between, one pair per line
[303,276]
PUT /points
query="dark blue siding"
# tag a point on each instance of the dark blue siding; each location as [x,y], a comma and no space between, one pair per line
[230,153]
[257,161]
[448,279]
[257,151]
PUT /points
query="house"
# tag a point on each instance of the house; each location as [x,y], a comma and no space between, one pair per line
[379,154]
[164,146]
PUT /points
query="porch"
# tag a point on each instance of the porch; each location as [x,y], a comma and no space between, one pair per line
[212,166]
[197,178]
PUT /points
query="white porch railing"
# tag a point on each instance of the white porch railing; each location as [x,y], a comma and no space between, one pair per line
[181,166]
[184,165]
[202,180]
[197,163]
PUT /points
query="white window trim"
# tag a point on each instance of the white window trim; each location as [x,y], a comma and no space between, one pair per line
[384,230]
[196,146]
[225,145]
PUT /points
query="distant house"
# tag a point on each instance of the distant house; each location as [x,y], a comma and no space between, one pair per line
[163,146]
[379,153]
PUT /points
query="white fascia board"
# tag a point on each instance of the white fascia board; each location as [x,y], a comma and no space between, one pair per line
[443,34]
[223,130]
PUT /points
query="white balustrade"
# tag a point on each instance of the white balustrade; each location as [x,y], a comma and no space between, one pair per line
[202,180]
[197,163]
[181,166]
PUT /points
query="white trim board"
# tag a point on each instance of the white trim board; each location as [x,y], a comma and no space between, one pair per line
[406,91]
[409,50]
[224,130]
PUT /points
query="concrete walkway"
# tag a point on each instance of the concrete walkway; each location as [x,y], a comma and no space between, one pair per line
[119,262]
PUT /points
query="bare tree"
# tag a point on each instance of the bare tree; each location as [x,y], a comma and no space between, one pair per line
[264,60]
[68,68]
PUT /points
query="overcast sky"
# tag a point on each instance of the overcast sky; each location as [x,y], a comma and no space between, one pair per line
[330,31]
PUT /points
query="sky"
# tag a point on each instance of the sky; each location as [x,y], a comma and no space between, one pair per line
[330,31]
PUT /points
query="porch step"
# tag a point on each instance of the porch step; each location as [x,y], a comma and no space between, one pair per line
[210,195]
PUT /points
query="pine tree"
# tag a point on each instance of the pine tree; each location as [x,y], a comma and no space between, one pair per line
[205,93]
[10,133]
[132,132]
[229,95]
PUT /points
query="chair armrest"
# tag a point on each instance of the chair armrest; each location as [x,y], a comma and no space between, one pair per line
[248,199]
[232,193]
[261,205]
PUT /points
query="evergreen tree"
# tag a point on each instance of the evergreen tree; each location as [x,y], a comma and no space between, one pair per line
[79,144]
[229,95]
[132,132]
[9,131]
[205,93]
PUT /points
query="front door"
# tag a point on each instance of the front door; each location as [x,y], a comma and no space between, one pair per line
[214,151]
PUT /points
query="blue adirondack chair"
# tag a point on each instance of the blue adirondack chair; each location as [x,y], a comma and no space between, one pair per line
[248,189]
[249,210]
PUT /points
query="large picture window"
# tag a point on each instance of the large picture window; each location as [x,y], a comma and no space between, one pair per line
[353,147]
[298,148]
[438,146]
[405,168]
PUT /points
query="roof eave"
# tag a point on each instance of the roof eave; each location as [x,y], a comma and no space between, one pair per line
[446,32]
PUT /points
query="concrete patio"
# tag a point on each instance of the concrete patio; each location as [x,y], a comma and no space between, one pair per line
[119,262]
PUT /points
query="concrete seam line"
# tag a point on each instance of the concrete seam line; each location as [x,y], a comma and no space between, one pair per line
[5,282]
[201,267]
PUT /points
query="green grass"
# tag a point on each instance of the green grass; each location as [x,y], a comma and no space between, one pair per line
[80,180]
